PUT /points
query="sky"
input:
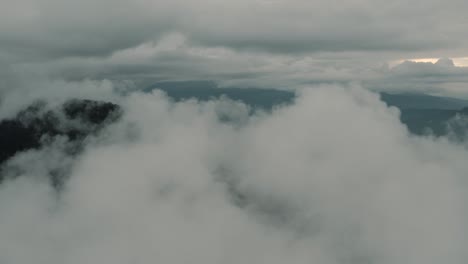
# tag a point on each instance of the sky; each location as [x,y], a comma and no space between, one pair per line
[332,178]
[256,43]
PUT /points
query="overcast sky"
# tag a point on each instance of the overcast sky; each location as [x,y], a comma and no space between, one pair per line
[262,43]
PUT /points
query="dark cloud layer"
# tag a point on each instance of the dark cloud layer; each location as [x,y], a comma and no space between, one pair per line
[91,28]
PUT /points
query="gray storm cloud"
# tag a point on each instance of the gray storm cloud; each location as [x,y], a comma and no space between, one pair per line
[58,28]
[254,43]
[332,178]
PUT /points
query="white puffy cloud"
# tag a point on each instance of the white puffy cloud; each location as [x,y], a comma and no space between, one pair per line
[332,178]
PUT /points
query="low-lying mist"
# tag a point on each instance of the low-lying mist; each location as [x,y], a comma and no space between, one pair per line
[332,178]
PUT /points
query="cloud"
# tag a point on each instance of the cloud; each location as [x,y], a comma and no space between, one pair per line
[28,90]
[439,78]
[333,178]
[174,57]
[279,44]
[56,29]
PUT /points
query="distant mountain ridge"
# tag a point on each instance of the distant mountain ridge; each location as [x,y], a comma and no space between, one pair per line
[427,114]
[37,126]
[421,113]
[422,101]
[205,90]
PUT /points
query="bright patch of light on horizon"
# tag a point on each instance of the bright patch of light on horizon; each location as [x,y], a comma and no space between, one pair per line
[459,61]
